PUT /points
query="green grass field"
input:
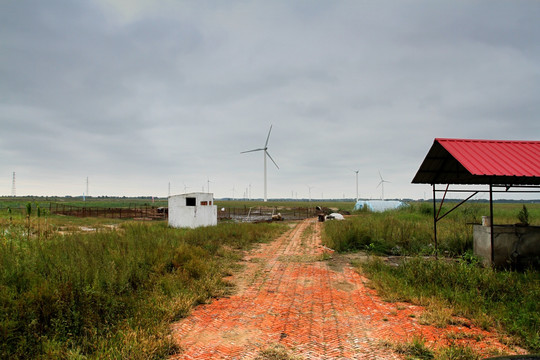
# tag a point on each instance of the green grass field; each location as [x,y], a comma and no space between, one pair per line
[109,293]
[457,285]
[409,231]
[20,203]
[112,292]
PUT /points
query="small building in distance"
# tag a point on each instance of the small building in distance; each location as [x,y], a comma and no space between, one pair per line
[192,210]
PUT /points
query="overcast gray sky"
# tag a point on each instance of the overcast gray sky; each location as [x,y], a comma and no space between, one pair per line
[138,94]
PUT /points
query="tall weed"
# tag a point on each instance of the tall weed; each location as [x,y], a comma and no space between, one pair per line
[406,231]
[489,297]
[110,294]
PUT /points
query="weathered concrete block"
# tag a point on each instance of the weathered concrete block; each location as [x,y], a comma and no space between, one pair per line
[514,245]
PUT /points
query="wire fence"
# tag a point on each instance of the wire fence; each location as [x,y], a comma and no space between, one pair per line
[263,213]
[146,212]
[143,212]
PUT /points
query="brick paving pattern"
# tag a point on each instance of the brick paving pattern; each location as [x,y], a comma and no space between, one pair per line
[288,295]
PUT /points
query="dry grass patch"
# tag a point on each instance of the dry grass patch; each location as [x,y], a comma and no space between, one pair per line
[276,352]
[437,314]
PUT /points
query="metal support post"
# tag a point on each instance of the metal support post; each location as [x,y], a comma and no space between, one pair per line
[435,223]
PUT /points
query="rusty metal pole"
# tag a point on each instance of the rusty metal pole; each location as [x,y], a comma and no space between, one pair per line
[491,222]
[435,224]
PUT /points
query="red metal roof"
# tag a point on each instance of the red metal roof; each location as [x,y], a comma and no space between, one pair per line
[496,157]
[465,161]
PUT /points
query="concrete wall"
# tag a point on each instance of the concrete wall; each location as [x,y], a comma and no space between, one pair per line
[514,245]
[192,210]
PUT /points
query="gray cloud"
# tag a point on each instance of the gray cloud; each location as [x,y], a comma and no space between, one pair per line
[136,94]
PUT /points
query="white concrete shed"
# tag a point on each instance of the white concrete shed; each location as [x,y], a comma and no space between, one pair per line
[192,210]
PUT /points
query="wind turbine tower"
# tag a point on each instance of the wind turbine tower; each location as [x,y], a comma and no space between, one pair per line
[87,194]
[208,181]
[381,184]
[265,154]
[13,189]
[356,171]
[309,190]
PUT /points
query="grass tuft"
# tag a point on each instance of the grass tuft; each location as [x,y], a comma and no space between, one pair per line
[457,352]
[276,352]
[415,349]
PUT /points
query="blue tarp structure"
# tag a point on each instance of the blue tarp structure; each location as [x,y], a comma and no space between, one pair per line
[379,205]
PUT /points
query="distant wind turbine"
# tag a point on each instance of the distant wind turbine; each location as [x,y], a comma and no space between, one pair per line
[381,184]
[265,154]
[208,182]
[309,189]
[356,171]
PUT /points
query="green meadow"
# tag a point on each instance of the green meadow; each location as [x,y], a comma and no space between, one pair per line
[454,285]
[92,288]
[111,292]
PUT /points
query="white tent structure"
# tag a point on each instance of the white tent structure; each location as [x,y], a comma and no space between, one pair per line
[192,210]
[379,205]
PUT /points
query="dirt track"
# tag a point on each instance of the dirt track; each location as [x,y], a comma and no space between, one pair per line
[290,295]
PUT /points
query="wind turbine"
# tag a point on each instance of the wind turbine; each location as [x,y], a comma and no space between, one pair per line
[381,184]
[309,190]
[356,171]
[185,187]
[208,181]
[265,154]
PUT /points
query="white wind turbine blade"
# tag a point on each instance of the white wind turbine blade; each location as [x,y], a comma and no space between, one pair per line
[267,153]
[243,152]
[268,138]
[382,180]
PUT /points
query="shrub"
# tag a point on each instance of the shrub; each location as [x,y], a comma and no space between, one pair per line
[523,215]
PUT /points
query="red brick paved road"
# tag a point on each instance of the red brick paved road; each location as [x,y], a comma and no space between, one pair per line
[287,295]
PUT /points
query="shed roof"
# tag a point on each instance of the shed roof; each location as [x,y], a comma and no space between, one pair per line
[466,161]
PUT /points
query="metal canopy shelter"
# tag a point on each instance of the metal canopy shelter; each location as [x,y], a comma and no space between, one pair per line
[503,166]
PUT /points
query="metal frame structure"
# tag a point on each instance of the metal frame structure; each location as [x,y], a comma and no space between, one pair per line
[500,165]
[436,213]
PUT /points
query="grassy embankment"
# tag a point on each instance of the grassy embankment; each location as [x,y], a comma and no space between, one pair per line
[506,300]
[109,293]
